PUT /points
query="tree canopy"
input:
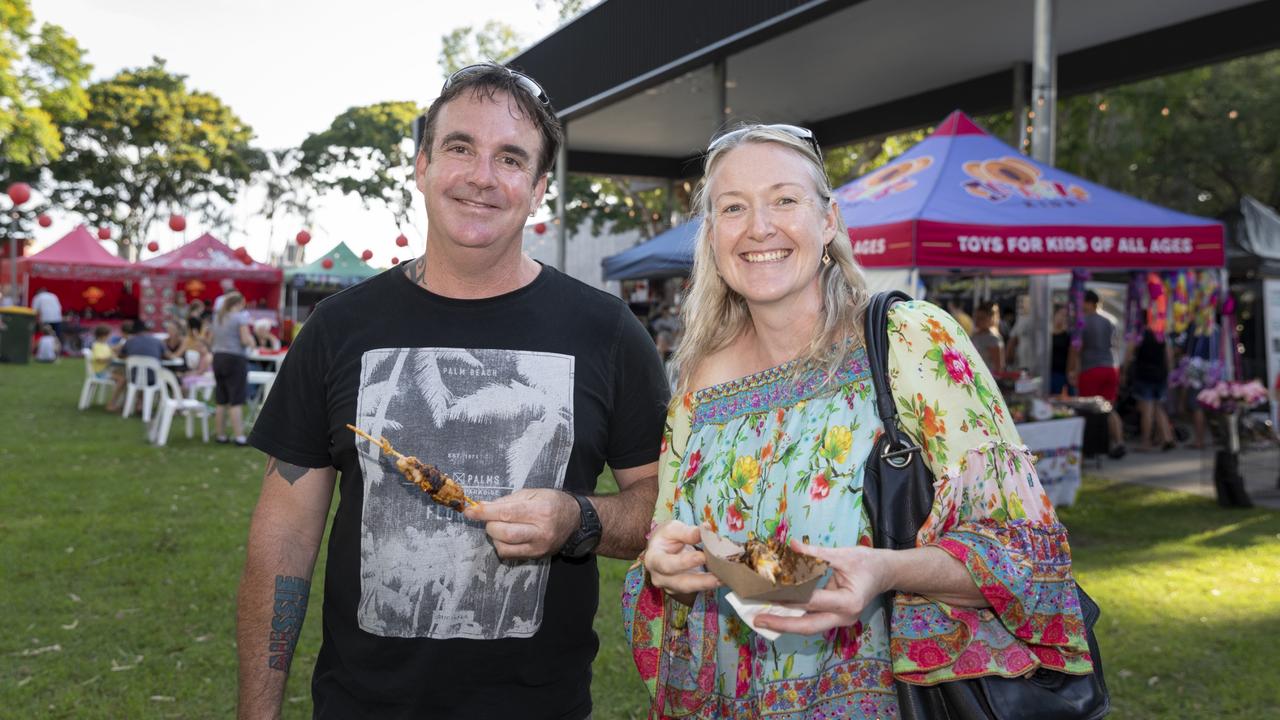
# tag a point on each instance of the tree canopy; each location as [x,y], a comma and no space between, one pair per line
[150,146]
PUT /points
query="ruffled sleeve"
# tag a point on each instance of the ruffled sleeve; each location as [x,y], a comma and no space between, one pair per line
[989,512]
[680,672]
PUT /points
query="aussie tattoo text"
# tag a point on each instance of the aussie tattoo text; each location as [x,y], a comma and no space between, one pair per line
[291,473]
[289,609]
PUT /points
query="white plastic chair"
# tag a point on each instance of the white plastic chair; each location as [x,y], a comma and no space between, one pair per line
[94,386]
[143,377]
[171,403]
[263,379]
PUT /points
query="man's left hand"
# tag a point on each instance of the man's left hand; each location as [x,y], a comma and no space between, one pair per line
[528,523]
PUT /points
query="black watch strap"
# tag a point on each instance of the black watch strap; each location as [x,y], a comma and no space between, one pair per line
[586,537]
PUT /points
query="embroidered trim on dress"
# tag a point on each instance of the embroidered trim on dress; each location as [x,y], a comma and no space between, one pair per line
[768,389]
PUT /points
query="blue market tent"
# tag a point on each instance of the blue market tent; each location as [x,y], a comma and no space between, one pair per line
[669,254]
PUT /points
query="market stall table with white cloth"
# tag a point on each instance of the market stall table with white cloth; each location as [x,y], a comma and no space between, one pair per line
[1056,445]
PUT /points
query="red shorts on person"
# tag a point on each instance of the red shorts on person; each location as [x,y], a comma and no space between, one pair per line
[1103,381]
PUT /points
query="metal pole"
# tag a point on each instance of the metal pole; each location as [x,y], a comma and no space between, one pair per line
[1044,95]
[562,188]
[1020,72]
[13,257]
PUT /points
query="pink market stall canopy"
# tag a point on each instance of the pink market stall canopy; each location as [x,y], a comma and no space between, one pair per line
[961,199]
[81,273]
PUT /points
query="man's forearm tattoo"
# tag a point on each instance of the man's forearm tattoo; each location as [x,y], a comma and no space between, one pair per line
[291,473]
[286,622]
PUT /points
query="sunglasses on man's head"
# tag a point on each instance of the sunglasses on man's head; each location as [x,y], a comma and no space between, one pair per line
[529,85]
[794,131]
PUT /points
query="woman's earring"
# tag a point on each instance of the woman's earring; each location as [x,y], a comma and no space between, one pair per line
[826,256]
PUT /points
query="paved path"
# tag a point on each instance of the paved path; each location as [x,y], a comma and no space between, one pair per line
[1191,471]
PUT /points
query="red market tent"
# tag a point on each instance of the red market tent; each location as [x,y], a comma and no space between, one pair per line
[196,270]
[961,199]
[82,274]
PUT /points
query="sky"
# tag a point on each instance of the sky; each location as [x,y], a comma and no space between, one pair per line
[287,68]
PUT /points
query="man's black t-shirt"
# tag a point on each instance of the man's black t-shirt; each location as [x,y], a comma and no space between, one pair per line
[540,387]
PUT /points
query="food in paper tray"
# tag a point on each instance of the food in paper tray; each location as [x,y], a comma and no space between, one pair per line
[762,570]
[772,559]
[442,488]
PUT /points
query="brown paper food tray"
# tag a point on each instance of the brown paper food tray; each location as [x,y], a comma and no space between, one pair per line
[747,583]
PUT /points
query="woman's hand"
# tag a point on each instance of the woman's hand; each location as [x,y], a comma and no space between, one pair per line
[674,563]
[859,575]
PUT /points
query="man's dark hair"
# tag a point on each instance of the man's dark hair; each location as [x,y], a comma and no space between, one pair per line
[488,83]
[1091,297]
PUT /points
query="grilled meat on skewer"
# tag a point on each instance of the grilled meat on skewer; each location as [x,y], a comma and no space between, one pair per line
[442,488]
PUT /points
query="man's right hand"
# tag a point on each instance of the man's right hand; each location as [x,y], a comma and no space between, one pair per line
[674,563]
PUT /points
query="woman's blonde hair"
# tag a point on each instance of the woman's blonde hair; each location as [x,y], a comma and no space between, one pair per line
[715,315]
[229,301]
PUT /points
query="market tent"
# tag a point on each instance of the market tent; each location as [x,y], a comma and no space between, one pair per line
[345,269]
[961,199]
[668,254]
[82,274]
[197,268]
[309,284]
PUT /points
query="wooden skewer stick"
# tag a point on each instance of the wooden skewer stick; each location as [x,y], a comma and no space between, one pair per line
[386,447]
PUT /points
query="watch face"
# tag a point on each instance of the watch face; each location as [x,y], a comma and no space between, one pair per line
[586,547]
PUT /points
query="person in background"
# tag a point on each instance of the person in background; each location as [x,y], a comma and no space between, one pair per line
[48,309]
[1018,348]
[137,343]
[986,337]
[962,317]
[228,286]
[70,335]
[262,337]
[100,352]
[175,339]
[47,347]
[231,337]
[195,316]
[1061,351]
[8,298]
[1149,363]
[1092,367]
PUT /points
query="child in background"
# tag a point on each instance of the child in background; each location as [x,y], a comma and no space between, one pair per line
[47,347]
[100,353]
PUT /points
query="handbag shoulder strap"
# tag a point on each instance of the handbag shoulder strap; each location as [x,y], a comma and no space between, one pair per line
[876,337]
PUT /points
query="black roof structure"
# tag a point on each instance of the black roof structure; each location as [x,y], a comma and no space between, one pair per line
[638,81]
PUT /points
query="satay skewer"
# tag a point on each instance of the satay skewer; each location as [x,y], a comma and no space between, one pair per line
[442,488]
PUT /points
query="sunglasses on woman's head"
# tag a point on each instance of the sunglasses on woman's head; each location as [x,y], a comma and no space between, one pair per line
[527,83]
[794,131]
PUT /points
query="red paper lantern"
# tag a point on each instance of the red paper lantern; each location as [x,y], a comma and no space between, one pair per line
[402,241]
[303,237]
[104,233]
[367,255]
[44,220]
[177,223]
[396,261]
[153,246]
[540,228]
[327,264]
[19,193]
[240,251]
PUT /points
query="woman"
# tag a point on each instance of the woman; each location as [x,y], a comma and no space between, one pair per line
[231,335]
[1150,362]
[986,337]
[1059,354]
[175,339]
[769,436]
[262,336]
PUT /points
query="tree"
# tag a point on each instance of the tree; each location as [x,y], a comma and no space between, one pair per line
[150,147]
[495,41]
[42,87]
[366,151]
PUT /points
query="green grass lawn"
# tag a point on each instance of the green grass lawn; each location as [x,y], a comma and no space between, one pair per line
[119,563]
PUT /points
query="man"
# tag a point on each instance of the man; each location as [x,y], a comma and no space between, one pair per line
[1092,367]
[137,343]
[514,379]
[48,310]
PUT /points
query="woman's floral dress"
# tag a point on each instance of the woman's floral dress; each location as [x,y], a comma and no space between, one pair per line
[779,452]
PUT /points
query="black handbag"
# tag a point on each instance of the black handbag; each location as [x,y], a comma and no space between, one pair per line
[898,493]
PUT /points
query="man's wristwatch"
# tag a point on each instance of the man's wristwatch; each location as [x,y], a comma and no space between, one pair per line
[586,537]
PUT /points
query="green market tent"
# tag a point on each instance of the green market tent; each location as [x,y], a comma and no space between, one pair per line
[311,283]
